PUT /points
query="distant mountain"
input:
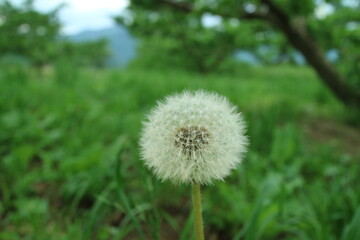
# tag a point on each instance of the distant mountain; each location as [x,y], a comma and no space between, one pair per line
[122,45]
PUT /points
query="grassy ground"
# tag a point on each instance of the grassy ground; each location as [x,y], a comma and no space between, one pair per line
[70,166]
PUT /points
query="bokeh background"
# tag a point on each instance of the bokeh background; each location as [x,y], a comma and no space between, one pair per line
[78,77]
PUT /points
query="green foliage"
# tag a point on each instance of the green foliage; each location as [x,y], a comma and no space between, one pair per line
[297,8]
[189,42]
[340,31]
[35,36]
[27,32]
[70,165]
[168,34]
[90,53]
[352,231]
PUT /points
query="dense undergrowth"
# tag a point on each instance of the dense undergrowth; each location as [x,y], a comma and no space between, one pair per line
[70,166]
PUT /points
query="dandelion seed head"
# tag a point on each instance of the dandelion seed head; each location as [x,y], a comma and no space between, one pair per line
[193,137]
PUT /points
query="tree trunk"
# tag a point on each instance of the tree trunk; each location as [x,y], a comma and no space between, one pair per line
[299,38]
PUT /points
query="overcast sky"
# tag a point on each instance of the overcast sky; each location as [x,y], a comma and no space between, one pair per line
[80,15]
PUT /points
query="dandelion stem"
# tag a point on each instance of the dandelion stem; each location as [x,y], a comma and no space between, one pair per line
[198,221]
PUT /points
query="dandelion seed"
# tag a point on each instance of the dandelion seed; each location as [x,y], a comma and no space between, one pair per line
[193,137]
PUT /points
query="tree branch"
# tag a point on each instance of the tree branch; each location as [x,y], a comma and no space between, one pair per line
[298,37]
[275,11]
[182,6]
[254,15]
[188,8]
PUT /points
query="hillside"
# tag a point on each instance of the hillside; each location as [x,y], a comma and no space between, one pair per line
[121,43]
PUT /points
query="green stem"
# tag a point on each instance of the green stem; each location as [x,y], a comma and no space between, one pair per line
[198,221]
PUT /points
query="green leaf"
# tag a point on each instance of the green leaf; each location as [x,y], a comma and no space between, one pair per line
[352,230]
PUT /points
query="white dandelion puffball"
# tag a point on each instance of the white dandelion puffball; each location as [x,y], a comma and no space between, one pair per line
[193,137]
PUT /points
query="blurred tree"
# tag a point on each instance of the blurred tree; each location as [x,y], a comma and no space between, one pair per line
[183,39]
[28,33]
[36,36]
[89,53]
[197,48]
[276,23]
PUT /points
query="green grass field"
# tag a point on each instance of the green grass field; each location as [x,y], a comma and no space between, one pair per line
[70,166]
